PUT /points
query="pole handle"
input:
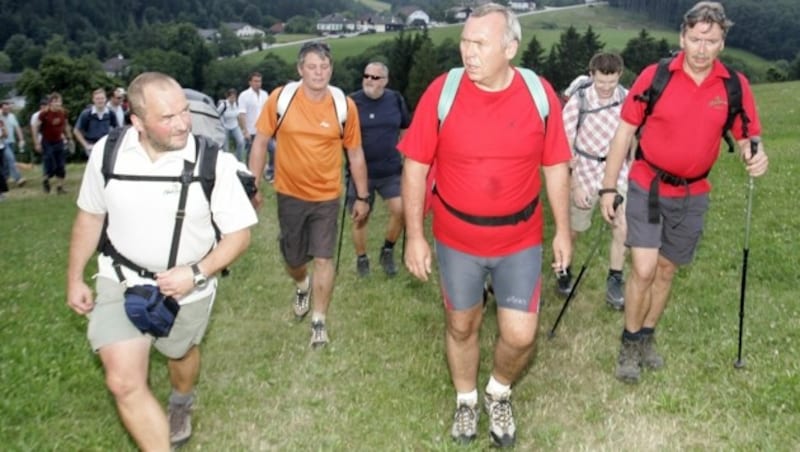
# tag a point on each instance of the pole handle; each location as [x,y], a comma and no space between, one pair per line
[754,141]
[618,199]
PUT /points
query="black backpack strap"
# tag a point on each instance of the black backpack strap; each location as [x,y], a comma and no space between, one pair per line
[110,151]
[733,87]
[186,179]
[651,95]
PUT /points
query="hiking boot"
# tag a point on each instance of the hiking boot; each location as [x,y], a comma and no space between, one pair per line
[46,185]
[21,182]
[301,303]
[362,266]
[615,292]
[387,261]
[319,335]
[502,429]
[564,280]
[61,190]
[650,356]
[629,362]
[465,423]
[180,423]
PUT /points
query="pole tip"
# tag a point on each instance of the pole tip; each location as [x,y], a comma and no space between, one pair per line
[738,364]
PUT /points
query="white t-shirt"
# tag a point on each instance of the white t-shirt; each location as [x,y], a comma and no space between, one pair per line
[230,114]
[250,104]
[141,214]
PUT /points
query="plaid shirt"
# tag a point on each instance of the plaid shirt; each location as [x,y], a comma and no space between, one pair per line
[596,132]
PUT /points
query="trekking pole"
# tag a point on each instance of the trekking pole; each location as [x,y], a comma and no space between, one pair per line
[617,201]
[341,226]
[739,363]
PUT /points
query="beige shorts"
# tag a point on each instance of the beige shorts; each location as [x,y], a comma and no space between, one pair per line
[108,323]
[580,220]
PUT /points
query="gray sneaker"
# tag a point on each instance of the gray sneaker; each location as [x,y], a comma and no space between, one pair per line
[629,362]
[180,423]
[387,261]
[301,303]
[319,335]
[650,356]
[465,423]
[502,429]
[615,292]
[362,266]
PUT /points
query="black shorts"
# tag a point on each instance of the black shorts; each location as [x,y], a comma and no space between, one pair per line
[308,229]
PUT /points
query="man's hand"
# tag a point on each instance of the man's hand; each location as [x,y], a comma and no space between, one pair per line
[79,297]
[360,211]
[418,257]
[176,282]
[757,164]
[562,252]
[581,198]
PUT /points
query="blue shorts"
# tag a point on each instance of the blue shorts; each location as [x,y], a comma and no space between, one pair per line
[516,278]
[677,234]
[388,187]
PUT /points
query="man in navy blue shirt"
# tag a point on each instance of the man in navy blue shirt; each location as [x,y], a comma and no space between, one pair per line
[94,122]
[384,118]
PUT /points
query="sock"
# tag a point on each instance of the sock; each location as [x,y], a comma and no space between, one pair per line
[627,335]
[362,256]
[494,387]
[176,398]
[305,285]
[647,331]
[387,245]
[615,273]
[468,398]
[317,317]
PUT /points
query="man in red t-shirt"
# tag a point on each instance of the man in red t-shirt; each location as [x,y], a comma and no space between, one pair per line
[487,220]
[679,145]
[53,125]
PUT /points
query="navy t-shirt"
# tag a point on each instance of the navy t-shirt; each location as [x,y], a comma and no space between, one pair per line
[381,121]
[94,127]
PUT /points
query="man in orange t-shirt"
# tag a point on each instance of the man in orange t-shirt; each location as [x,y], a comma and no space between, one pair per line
[308,178]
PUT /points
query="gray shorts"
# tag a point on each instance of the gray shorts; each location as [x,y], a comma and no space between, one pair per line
[108,323]
[679,231]
[517,278]
[308,229]
[387,187]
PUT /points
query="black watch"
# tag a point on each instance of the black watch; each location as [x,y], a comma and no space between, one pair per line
[362,198]
[200,280]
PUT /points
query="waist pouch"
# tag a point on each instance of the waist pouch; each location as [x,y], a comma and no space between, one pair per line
[149,310]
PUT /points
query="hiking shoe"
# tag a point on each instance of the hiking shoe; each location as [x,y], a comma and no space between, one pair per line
[46,185]
[650,356]
[21,182]
[502,429]
[362,266]
[61,190]
[465,423]
[615,292]
[301,303]
[564,282]
[180,423]
[629,362]
[319,335]
[387,261]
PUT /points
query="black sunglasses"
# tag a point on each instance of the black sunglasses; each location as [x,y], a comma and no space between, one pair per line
[373,77]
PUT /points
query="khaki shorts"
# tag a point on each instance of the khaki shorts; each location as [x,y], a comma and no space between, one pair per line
[580,220]
[108,323]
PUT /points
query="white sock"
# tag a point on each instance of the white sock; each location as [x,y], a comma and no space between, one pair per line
[303,286]
[317,317]
[494,387]
[468,398]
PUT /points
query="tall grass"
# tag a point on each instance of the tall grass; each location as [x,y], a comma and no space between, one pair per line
[383,384]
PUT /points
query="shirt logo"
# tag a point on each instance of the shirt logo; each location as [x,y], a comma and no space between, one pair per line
[325,124]
[717,102]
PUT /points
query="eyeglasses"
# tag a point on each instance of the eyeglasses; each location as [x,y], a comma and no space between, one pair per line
[373,77]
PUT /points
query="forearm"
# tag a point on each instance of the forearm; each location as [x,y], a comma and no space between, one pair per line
[85,235]
[413,193]
[229,248]
[358,170]
[79,137]
[618,150]
[258,157]
[557,182]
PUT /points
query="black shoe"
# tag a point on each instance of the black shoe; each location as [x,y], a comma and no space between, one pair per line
[564,281]
[61,190]
[362,266]
[46,185]
[387,261]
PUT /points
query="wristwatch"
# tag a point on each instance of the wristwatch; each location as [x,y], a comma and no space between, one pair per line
[362,198]
[200,280]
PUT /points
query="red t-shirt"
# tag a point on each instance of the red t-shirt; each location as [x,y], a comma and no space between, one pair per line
[53,124]
[682,136]
[488,156]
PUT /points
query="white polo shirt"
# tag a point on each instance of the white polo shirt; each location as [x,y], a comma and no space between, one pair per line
[141,214]
[250,104]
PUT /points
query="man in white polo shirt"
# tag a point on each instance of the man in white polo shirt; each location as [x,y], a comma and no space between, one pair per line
[143,228]
[251,101]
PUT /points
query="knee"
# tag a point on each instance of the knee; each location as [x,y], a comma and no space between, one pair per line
[518,339]
[462,331]
[123,386]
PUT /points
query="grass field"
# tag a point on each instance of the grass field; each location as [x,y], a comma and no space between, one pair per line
[614,26]
[382,384]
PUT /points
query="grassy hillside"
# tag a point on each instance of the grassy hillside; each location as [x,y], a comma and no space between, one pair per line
[382,384]
[615,27]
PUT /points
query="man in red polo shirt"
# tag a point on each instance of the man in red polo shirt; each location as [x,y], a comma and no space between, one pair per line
[679,145]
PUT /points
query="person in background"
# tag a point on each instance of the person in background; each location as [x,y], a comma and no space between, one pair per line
[50,131]
[228,109]
[94,122]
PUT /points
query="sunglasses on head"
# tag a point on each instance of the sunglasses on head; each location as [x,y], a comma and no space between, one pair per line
[373,77]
